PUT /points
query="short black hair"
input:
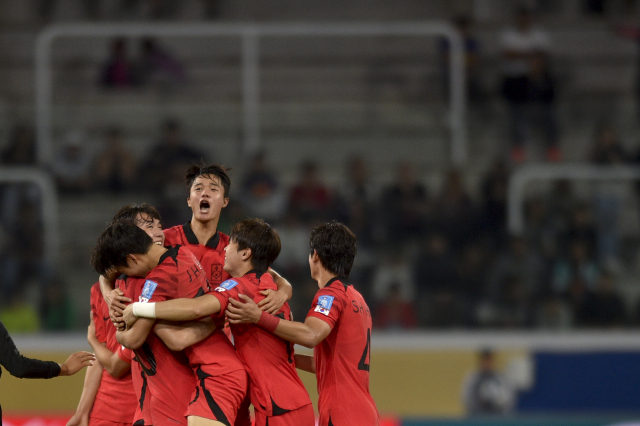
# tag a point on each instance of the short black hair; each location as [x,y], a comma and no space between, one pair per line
[197,170]
[261,238]
[130,212]
[336,247]
[116,242]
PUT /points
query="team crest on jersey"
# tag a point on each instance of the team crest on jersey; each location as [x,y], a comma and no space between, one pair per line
[147,291]
[324,305]
[227,285]
[216,273]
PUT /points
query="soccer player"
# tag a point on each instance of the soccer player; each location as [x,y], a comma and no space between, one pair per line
[105,387]
[208,189]
[277,393]
[172,273]
[175,337]
[338,327]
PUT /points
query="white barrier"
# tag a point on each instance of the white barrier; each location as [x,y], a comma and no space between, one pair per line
[250,34]
[522,176]
[49,204]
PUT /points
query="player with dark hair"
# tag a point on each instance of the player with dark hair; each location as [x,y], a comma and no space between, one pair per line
[169,273]
[208,189]
[277,393]
[110,380]
[338,327]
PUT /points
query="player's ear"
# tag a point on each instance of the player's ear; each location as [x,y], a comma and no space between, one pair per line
[226,201]
[131,260]
[246,254]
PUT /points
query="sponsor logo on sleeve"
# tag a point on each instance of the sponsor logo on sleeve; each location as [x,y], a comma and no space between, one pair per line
[324,305]
[147,291]
[227,285]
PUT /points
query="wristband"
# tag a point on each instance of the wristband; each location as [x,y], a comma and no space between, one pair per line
[268,322]
[144,310]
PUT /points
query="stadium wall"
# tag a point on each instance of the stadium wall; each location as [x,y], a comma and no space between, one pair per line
[420,376]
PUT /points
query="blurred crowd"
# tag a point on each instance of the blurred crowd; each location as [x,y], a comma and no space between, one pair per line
[428,257]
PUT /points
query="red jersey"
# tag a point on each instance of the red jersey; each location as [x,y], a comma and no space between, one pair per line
[180,275]
[210,255]
[342,358]
[275,386]
[113,391]
[170,380]
[139,378]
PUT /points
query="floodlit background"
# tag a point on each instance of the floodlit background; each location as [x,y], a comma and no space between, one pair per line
[485,153]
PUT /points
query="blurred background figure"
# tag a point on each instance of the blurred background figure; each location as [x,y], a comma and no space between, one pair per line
[72,165]
[526,82]
[115,168]
[486,391]
[118,71]
[156,66]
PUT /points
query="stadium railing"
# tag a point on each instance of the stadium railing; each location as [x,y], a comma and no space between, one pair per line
[251,34]
[48,205]
[523,176]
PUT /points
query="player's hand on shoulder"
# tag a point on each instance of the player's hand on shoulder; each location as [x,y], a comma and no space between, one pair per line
[79,420]
[243,311]
[273,301]
[128,317]
[116,301]
[76,362]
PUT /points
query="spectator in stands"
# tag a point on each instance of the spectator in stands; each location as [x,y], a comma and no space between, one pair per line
[464,26]
[554,314]
[604,306]
[577,265]
[169,158]
[541,97]
[472,267]
[115,168]
[518,263]
[487,391]
[393,269]
[360,197]
[609,196]
[157,66]
[261,192]
[309,198]
[456,214]
[494,193]
[118,71]
[72,164]
[524,48]
[394,312]
[404,206]
[22,148]
[539,233]
[580,228]
[438,286]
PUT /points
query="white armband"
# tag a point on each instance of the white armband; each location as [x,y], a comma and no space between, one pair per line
[144,310]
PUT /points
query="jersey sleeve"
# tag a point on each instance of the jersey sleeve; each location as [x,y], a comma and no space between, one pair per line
[125,354]
[328,305]
[158,287]
[97,313]
[227,289]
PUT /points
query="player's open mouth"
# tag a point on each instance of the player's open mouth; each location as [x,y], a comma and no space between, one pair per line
[158,243]
[204,206]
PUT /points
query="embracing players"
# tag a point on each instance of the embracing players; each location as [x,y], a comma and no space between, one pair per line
[277,394]
[338,327]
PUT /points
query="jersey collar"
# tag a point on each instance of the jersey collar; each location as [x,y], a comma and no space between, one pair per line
[171,251]
[255,271]
[342,280]
[192,239]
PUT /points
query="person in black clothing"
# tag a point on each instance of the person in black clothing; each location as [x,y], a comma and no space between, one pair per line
[27,368]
